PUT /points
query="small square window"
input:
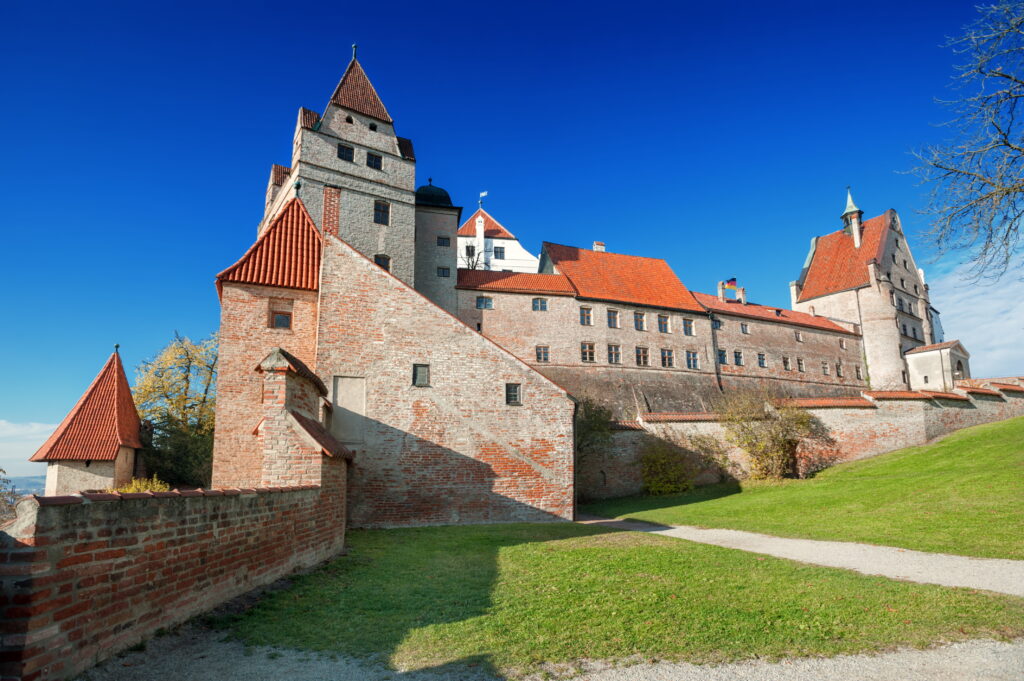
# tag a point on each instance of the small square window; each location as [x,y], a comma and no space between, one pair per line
[587,352]
[716,324]
[382,212]
[346,153]
[925,379]
[484,303]
[586,317]
[762,360]
[375,161]
[668,358]
[444,272]
[499,252]
[421,375]
[540,304]
[737,357]
[692,360]
[444,241]
[383,261]
[614,354]
[744,328]
[643,357]
[613,319]
[787,364]
[687,327]
[543,353]
[800,364]
[281,320]
[514,394]
[470,250]
[639,321]
[373,127]
[663,326]
[722,357]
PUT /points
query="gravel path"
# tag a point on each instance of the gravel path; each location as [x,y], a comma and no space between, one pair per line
[199,654]
[991,574]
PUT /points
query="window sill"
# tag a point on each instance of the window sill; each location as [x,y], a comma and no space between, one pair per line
[513,404]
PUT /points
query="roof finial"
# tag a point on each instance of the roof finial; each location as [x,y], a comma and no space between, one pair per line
[851,207]
[430,180]
[481,199]
[116,346]
[354,48]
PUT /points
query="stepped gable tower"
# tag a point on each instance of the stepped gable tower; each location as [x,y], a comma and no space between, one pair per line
[863,276]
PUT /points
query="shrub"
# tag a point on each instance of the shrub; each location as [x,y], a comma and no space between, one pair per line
[153,484]
[666,468]
[770,437]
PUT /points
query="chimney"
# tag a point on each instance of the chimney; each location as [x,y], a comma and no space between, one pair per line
[599,246]
[721,291]
[332,199]
[478,241]
[741,295]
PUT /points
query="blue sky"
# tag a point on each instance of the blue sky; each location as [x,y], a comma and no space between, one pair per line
[138,139]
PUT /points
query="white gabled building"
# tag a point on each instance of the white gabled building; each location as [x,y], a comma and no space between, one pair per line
[485,244]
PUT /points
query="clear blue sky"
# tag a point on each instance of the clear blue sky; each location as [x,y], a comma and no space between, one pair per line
[138,138]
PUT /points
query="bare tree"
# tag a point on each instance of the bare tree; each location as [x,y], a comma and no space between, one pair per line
[476,261]
[977,178]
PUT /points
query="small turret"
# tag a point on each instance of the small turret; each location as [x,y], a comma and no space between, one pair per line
[852,218]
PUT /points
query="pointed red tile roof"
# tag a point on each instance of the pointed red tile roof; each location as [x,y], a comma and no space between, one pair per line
[287,254]
[318,435]
[614,277]
[492,228]
[308,118]
[514,282]
[838,265]
[934,346]
[355,92]
[103,420]
[278,174]
[768,314]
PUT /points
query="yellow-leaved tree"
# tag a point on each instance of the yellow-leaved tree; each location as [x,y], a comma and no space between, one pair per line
[176,392]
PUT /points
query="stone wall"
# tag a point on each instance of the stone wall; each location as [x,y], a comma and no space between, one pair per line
[84,577]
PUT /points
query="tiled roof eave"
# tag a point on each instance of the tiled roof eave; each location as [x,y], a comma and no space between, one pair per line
[567,294]
[801,299]
[697,310]
[791,322]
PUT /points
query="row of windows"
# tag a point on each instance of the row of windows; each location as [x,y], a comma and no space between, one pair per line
[642,355]
[497,253]
[348,153]
[421,379]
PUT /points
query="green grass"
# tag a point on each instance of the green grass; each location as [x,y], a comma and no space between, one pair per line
[963,495]
[507,598]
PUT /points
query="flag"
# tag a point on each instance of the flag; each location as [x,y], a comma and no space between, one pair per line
[731,284]
[483,194]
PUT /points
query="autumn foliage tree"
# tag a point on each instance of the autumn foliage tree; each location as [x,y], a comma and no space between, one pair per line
[176,392]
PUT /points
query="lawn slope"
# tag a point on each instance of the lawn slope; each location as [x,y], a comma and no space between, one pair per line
[961,495]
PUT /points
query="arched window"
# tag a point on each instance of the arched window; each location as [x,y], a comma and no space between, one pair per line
[959,373]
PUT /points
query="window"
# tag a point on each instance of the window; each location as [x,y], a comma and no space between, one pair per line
[893,258]
[444,272]
[800,364]
[668,358]
[910,307]
[373,127]
[663,323]
[586,316]
[722,357]
[892,298]
[842,343]
[587,352]
[470,250]
[614,354]
[421,375]
[839,370]
[613,319]
[484,303]
[787,364]
[281,320]
[640,321]
[799,336]
[687,327]
[348,119]
[383,261]
[745,328]
[916,289]
[346,153]
[925,379]
[903,283]
[762,360]
[824,369]
[444,241]
[913,331]
[499,252]
[716,324]
[905,330]
[904,376]
[897,243]
[857,372]
[643,357]
[543,353]
[382,212]
[540,304]
[692,360]
[514,394]
[905,265]
[899,304]
[375,161]
[737,356]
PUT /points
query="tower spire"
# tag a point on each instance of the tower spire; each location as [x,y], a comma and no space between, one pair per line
[851,207]
[355,47]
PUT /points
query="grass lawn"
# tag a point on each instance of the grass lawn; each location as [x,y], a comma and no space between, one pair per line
[963,495]
[508,597]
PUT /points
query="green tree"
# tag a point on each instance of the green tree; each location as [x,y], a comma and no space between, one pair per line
[176,392]
[7,495]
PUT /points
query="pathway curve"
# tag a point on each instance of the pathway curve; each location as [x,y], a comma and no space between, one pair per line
[991,574]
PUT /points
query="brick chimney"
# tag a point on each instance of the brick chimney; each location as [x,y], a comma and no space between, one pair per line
[332,199]
[599,246]
[741,295]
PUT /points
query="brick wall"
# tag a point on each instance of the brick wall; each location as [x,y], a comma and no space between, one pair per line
[84,577]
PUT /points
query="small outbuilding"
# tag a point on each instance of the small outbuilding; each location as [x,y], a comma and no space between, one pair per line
[938,366]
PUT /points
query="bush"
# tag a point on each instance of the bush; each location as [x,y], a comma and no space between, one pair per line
[770,437]
[666,468]
[153,484]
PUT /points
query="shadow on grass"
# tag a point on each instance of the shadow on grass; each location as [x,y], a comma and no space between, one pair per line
[624,506]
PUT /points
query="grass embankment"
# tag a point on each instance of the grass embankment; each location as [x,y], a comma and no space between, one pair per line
[509,597]
[962,495]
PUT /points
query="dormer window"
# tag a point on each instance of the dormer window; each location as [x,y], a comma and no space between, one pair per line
[348,119]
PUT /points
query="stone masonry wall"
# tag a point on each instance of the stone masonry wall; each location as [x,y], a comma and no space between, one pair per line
[84,577]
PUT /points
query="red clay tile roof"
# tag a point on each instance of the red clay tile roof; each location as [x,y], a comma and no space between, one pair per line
[934,346]
[824,402]
[287,254]
[896,395]
[355,92]
[680,416]
[103,420]
[765,313]
[299,367]
[405,148]
[308,119]
[838,265]
[946,396]
[626,425]
[327,443]
[492,228]
[980,391]
[514,282]
[1007,387]
[278,174]
[600,275]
